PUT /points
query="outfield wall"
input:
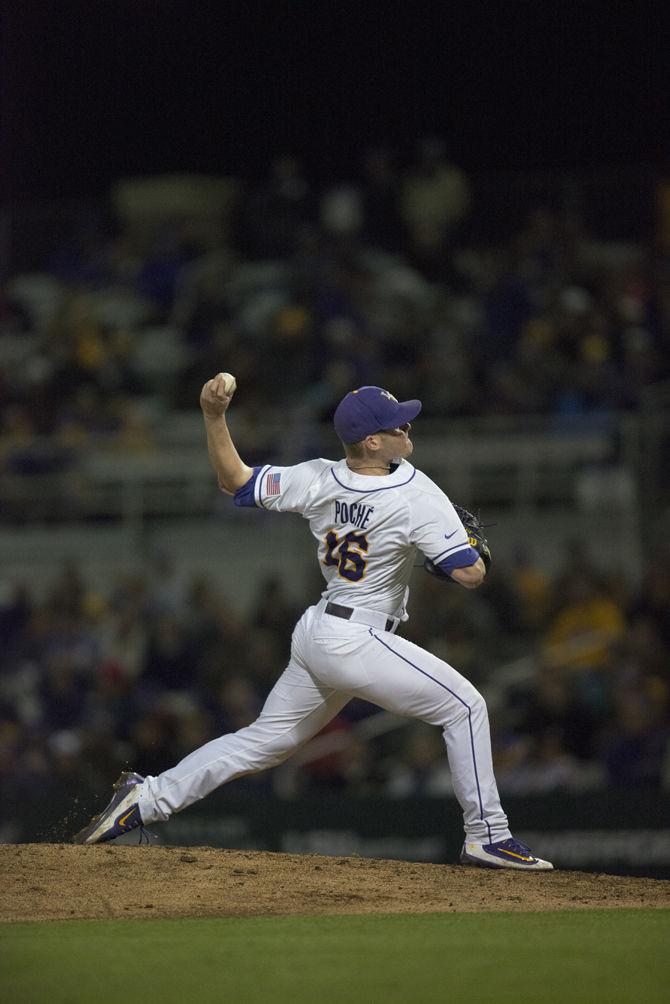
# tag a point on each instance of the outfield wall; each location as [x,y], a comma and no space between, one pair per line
[619,831]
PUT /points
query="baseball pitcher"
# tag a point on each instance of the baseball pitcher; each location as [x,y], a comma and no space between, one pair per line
[369,514]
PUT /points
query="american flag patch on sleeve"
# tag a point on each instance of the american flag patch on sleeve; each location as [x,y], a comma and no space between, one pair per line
[273,484]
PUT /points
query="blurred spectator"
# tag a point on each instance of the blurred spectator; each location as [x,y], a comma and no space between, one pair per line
[380,189]
[531,588]
[421,769]
[273,213]
[584,628]
[203,301]
[167,664]
[162,267]
[14,615]
[276,612]
[435,197]
[543,764]
[636,748]
[329,771]
[124,641]
[239,704]
[653,601]
[553,706]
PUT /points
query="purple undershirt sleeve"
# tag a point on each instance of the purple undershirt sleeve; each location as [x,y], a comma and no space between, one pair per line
[244,496]
[461,559]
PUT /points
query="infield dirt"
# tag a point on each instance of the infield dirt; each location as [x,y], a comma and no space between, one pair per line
[61,881]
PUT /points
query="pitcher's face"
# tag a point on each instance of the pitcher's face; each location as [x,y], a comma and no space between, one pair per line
[395,443]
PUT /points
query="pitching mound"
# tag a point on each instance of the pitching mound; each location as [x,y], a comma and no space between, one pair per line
[61,881]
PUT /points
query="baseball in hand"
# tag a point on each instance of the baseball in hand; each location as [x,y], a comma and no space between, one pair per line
[229,382]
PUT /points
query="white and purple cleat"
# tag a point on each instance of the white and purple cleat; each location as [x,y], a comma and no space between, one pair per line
[121,815]
[508,853]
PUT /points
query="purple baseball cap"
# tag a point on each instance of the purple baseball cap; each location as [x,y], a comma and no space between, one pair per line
[371,409]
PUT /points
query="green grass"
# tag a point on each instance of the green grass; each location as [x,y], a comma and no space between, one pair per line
[582,956]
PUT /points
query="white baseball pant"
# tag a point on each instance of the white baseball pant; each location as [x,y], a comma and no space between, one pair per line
[332,661]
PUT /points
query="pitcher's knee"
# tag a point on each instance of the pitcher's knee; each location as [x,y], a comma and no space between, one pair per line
[471,705]
[265,753]
[477,703]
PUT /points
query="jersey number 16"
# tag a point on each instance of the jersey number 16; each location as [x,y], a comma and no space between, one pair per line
[345,554]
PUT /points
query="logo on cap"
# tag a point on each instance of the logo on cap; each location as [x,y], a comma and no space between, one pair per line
[389,395]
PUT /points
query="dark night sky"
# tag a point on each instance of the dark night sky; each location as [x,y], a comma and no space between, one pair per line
[92,91]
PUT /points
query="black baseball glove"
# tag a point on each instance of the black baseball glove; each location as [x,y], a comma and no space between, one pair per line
[476,539]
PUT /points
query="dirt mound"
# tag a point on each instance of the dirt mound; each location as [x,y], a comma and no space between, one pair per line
[61,881]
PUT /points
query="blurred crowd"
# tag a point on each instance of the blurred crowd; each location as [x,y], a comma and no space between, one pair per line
[397,278]
[142,674]
[403,277]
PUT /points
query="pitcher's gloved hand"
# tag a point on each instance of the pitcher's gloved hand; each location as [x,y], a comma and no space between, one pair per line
[476,539]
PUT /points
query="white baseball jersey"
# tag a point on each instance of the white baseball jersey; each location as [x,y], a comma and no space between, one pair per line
[368,529]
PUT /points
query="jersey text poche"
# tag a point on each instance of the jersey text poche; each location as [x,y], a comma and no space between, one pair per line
[353,512]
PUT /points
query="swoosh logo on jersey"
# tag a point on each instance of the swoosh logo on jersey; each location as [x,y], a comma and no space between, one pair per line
[447,536]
